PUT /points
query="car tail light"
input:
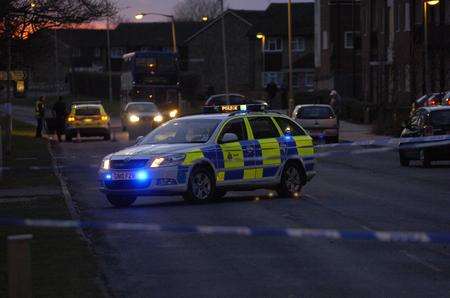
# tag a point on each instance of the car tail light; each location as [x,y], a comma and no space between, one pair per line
[447,102]
[70,119]
[105,118]
[428,130]
[433,102]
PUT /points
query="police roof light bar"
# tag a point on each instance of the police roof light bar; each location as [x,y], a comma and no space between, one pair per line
[235,109]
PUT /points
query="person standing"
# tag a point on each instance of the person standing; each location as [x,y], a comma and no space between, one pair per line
[39,111]
[60,113]
[272,90]
[335,102]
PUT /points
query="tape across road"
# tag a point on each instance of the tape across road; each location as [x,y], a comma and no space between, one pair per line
[297,233]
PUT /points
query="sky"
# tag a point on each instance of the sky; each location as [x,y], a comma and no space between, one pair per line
[131,7]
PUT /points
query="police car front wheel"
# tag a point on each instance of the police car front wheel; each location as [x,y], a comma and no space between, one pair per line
[201,185]
[121,201]
[292,181]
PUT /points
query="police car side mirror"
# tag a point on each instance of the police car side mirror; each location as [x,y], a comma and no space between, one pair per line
[229,137]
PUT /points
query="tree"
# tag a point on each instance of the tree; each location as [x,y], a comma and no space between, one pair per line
[194,10]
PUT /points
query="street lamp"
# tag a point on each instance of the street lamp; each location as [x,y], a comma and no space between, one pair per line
[205,18]
[291,91]
[425,42]
[141,15]
[262,37]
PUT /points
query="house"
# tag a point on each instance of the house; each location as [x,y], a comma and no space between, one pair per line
[392,40]
[337,46]
[253,62]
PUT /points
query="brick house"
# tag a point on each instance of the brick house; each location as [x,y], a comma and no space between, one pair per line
[393,51]
[251,64]
[337,46]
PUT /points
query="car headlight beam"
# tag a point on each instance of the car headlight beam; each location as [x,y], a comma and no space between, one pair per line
[133,118]
[158,118]
[173,113]
[106,164]
[168,160]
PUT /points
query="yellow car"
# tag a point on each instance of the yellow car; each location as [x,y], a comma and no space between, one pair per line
[88,119]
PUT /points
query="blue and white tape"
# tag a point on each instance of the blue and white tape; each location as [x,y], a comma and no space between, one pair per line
[382,236]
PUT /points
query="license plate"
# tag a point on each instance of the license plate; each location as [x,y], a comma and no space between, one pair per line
[87,120]
[230,108]
[123,176]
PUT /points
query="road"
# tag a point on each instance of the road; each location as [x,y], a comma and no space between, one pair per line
[360,192]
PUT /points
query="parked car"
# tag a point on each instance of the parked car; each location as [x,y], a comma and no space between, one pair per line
[319,120]
[430,100]
[231,102]
[88,119]
[426,121]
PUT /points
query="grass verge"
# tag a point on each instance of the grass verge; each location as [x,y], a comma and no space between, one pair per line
[62,264]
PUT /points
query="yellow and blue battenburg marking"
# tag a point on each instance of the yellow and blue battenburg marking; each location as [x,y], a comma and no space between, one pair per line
[252,159]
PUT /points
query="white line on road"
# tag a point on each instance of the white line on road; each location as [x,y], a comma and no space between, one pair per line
[422,262]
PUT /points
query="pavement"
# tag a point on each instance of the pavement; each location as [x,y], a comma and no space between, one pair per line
[360,192]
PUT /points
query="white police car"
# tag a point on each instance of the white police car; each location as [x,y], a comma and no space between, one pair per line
[203,156]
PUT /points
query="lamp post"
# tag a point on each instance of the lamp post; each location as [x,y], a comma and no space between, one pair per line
[262,37]
[224,51]
[291,92]
[425,41]
[141,15]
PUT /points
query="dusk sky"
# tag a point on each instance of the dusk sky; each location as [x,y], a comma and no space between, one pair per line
[166,6]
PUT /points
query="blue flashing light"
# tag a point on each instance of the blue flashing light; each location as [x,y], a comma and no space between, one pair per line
[287,137]
[142,175]
[108,176]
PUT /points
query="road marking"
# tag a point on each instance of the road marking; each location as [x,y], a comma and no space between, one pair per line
[422,262]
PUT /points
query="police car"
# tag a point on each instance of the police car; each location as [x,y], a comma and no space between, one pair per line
[203,156]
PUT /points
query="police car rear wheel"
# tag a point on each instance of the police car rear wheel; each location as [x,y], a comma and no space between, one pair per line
[201,185]
[291,181]
[121,201]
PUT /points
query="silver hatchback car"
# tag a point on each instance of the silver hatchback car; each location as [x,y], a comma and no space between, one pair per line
[319,120]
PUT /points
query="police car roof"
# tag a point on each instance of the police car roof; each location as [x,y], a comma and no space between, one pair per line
[222,116]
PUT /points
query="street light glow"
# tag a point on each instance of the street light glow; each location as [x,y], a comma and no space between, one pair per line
[260,35]
[139,16]
[205,19]
[432,2]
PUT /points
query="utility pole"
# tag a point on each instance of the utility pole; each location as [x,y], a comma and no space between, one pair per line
[7,105]
[108,41]
[291,91]
[56,63]
[224,51]
[425,48]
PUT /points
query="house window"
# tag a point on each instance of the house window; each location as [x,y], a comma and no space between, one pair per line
[348,39]
[407,17]
[298,44]
[97,52]
[273,45]
[272,76]
[309,79]
[117,52]
[76,52]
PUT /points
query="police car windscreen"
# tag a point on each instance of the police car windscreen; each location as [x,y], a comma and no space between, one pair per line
[87,111]
[440,118]
[142,108]
[315,113]
[183,131]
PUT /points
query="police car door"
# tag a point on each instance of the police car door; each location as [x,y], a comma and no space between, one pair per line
[233,152]
[267,150]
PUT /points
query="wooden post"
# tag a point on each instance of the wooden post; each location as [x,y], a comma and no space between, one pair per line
[19,266]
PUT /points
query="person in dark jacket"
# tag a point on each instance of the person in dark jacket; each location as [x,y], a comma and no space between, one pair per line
[39,111]
[60,113]
[272,90]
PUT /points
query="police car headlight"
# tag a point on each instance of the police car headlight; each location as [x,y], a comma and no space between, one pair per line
[158,118]
[106,164]
[133,118]
[173,113]
[168,160]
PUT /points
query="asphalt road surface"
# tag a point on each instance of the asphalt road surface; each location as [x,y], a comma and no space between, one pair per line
[364,192]
[361,192]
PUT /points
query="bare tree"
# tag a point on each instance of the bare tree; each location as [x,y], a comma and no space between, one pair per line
[194,10]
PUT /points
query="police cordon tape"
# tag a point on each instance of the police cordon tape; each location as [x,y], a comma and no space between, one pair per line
[382,236]
[384,144]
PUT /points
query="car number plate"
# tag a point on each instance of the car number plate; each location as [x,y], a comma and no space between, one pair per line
[123,176]
[230,108]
